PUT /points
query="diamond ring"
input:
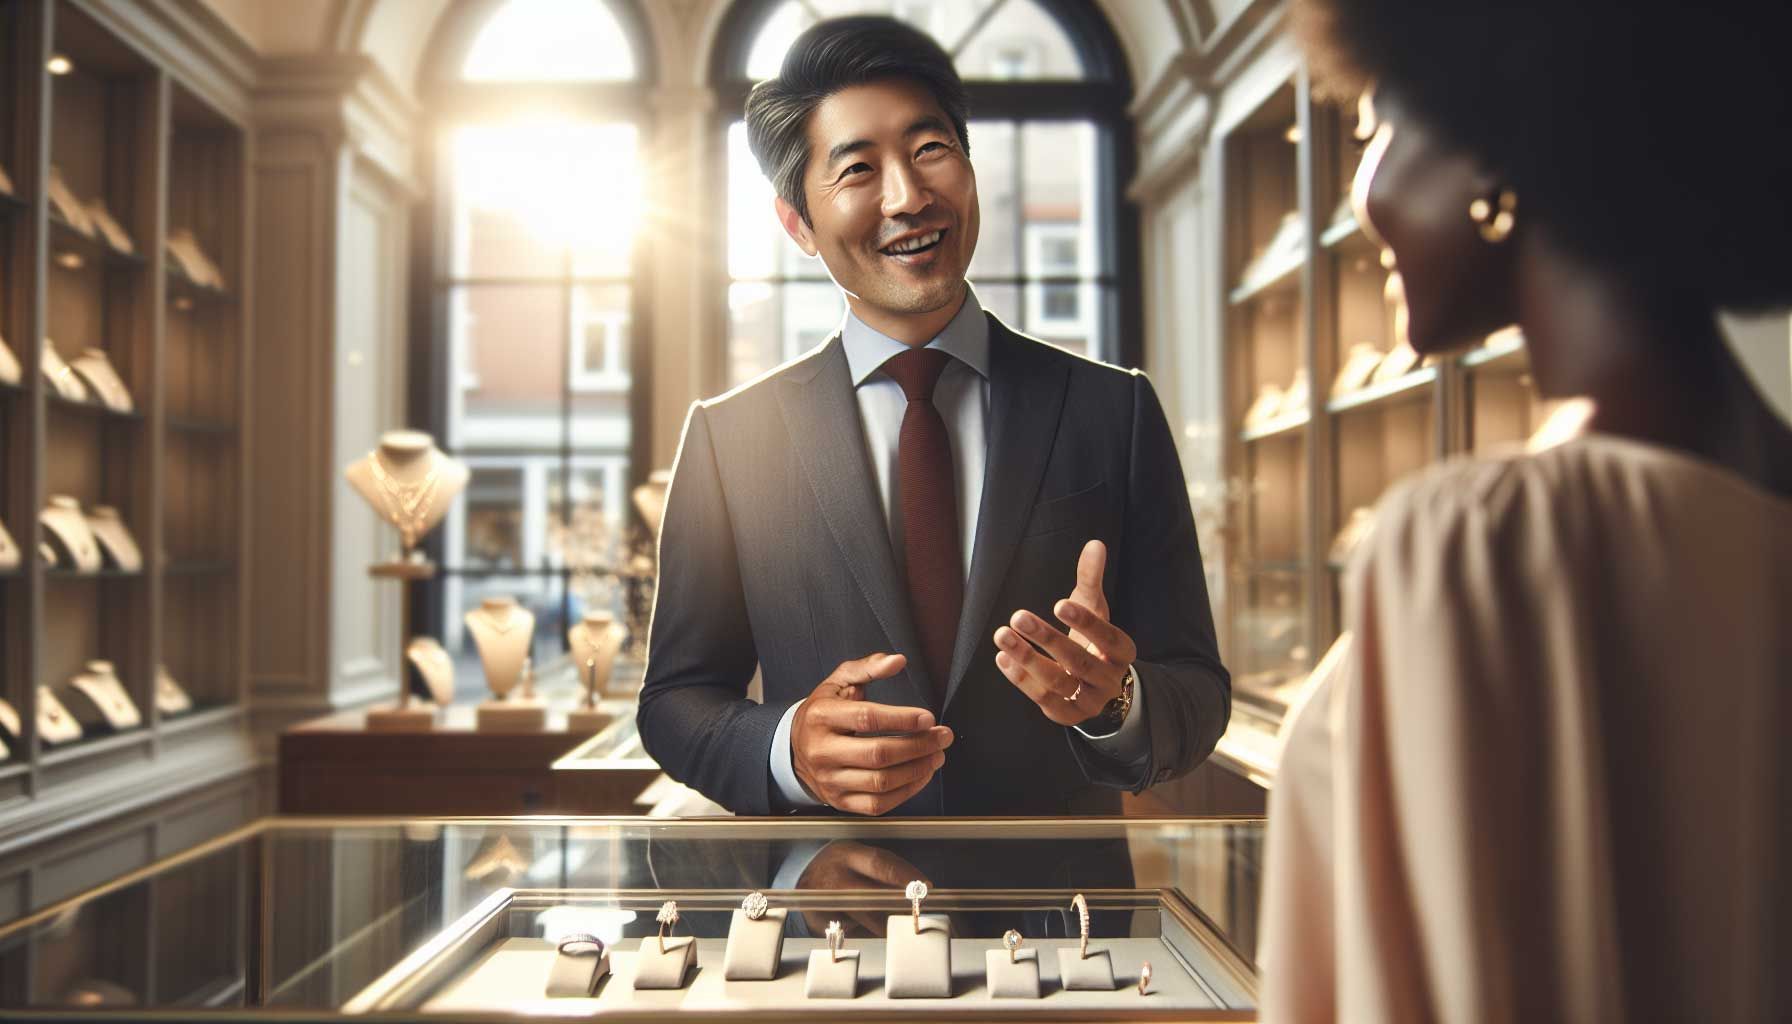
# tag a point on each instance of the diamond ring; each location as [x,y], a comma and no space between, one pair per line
[580,944]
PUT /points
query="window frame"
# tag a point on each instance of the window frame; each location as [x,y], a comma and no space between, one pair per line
[437,367]
[1101,98]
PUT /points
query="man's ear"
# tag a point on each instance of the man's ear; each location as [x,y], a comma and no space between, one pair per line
[798,231]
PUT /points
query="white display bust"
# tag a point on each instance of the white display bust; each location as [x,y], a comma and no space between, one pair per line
[650,499]
[63,519]
[10,370]
[60,375]
[434,665]
[115,538]
[597,639]
[502,630]
[102,379]
[9,551]
[409,482]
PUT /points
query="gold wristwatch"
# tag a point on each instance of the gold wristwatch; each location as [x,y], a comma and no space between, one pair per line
[1113,713]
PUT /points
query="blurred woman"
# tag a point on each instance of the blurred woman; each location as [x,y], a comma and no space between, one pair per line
[1549,781]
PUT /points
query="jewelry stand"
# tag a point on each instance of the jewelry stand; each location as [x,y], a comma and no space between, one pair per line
[1093,973]
[405,716]
[55,726]
[410,485]
[657,970]
[576,977]
[918,965]
[829,978]
[1012,979]
[596,660]
[754,947]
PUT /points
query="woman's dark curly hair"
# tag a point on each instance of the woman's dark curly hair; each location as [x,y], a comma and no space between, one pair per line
[1653,138]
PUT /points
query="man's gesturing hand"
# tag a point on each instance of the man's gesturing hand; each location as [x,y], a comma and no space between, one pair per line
[850,771]
[1089,664]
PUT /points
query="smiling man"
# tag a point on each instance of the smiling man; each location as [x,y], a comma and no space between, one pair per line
[961,560]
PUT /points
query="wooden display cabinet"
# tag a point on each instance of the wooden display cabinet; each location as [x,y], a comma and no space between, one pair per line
[1375,414]
[109,151]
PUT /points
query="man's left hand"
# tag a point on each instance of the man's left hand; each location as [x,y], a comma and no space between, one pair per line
[1070,676]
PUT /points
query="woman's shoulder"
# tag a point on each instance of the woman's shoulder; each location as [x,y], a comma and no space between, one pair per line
[1591,481]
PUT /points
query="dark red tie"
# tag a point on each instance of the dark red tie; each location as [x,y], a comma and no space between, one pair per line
[932,555]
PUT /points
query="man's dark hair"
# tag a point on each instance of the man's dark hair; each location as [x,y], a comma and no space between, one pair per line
[831,56]
[1649,137]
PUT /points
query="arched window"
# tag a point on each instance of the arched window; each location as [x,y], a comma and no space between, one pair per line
[1057,254]
[533,367]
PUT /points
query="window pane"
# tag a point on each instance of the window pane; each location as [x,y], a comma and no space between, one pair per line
[543,595]
[551,40]
[506,378]
[994,155]
[1004,301]
[493,535]
[1022,40]
[524,196]
[757,244]
[602,323]
[771,323]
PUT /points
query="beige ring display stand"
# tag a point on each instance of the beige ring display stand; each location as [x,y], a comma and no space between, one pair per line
[75,546]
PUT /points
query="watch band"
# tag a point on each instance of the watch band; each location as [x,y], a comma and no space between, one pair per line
[1113,713]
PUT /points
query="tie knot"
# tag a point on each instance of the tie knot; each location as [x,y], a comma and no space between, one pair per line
[917,370]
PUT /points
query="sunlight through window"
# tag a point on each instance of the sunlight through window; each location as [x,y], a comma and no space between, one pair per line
[551,41]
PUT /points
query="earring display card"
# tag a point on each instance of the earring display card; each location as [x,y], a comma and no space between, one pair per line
[832,978]
[919,965]
[1092,973]
[657,970]
[1016,979]
[754,947]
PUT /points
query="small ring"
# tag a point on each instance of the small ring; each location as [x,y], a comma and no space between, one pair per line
[1074,694]
[580,944]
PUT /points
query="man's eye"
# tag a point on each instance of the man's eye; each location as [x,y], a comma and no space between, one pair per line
[855,168]
[930,146]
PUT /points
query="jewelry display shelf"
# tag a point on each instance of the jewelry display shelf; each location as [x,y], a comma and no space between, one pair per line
[158,137]
[94,409]
[92,249]
[1407,387]
[1300,478]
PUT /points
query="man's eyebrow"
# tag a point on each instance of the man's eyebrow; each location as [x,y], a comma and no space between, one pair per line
[930,123]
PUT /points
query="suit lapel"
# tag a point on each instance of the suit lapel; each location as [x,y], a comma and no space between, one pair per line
[1026,402]
[822,416]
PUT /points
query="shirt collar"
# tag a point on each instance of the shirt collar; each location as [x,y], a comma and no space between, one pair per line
[966,339]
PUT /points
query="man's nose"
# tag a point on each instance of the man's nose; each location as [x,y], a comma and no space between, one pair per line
[904,192]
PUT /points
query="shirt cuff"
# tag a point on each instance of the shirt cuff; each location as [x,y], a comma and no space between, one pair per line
[784,772]
[1132,741]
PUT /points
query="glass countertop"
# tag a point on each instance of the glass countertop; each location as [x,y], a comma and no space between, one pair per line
[303,916]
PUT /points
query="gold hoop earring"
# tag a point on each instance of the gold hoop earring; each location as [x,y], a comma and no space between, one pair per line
[1494,224]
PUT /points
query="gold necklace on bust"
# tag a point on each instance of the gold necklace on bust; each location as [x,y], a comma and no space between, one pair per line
[511,618]
[407,503]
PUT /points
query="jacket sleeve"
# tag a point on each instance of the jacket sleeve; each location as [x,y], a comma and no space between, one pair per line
[695,718]
[1157,589]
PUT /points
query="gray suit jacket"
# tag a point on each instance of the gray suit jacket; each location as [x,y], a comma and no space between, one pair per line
[775,552]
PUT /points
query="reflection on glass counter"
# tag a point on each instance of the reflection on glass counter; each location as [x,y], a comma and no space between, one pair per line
[462,915]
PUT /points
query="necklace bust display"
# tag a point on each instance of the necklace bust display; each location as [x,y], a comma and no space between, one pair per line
[114,538]
[10,370]
[409,482]
[435,666]
[594,643]
[60,375]
[102,379]
[502,630]
[71,534]
[97,699]
[650,499]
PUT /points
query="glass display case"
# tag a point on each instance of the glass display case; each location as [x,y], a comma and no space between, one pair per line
[309,919]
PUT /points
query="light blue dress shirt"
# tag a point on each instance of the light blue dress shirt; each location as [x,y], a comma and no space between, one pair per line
[962,398]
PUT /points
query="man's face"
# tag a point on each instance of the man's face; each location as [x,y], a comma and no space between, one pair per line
[892,198]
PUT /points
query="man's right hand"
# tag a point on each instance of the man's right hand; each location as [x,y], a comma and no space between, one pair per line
[864,774]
